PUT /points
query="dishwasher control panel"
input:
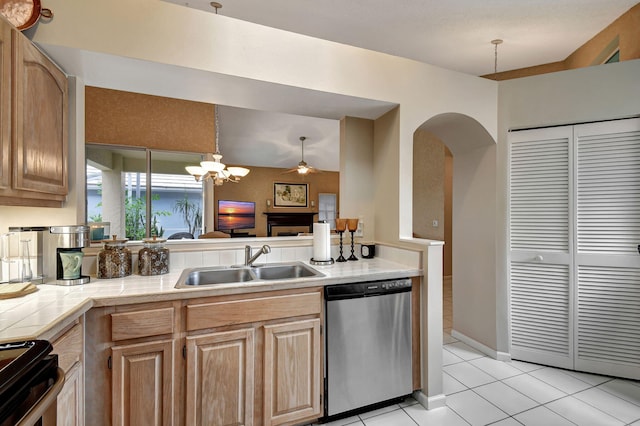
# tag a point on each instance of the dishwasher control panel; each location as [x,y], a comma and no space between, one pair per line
[374,288]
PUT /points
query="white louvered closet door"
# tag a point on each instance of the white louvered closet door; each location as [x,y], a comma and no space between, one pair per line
[540,237]
[607,260]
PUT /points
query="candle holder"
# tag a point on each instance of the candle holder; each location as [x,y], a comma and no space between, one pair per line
[341,226]
[352,225]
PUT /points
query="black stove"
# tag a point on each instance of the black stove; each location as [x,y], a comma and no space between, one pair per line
[27,371]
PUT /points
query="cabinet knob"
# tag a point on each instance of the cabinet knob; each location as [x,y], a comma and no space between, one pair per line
[538,258]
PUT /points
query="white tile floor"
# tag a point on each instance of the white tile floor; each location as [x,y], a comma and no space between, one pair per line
[483,391]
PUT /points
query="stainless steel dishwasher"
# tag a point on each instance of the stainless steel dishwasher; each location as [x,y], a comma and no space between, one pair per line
[368,344]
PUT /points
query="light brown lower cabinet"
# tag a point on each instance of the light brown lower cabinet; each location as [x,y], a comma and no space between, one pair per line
[143,383]
[250,360]
[292,373]
[220,377]
[255,360]
[70,399]
[70,403]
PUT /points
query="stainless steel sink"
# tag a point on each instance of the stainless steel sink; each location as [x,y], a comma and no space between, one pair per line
[233,275]
[208,276]
[282,272]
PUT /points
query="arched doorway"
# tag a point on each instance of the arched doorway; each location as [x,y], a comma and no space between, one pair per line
[473,225]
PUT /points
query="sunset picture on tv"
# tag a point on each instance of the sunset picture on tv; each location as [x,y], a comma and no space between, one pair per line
[236,215]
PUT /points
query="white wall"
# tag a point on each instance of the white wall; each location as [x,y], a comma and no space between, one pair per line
[588,94]
[164,49]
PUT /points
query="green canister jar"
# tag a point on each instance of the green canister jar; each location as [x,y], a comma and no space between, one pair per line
[153,257]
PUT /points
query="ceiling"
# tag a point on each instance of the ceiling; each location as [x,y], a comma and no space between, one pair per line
[453,34]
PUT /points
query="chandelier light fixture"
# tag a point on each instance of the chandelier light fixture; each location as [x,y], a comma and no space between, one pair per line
[212,168]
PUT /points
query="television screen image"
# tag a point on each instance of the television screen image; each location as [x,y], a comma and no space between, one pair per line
[236,215]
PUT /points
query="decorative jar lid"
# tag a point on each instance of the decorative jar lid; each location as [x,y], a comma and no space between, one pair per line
[153,241]
[115,241]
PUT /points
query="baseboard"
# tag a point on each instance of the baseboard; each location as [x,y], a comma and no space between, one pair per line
[430,402]
[500,356]
[503,356]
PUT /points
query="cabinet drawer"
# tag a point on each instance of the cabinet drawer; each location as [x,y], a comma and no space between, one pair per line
[132,325]
[69,347]
[217,314]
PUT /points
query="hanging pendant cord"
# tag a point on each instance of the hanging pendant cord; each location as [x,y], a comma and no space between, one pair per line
[495,43]
[216,120]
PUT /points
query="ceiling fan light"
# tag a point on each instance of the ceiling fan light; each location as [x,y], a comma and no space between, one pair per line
[303,170]
[212,166]
[238,171]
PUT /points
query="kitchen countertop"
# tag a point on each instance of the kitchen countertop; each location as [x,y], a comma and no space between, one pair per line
[52,308]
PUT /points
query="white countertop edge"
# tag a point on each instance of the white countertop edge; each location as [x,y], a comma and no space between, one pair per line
[43,314]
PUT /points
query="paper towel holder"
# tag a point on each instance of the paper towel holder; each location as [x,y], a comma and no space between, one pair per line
[329,261]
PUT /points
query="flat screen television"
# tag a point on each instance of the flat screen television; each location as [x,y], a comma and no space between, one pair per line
[233,215]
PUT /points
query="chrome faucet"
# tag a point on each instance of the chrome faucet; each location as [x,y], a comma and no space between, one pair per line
[249,259]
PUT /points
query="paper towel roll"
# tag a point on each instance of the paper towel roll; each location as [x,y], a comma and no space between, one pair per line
[321,242]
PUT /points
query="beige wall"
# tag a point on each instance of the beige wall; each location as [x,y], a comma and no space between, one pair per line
[257,186]
[473,224]
[428,186]
[357,173]
[432,192]
[474,244]
[623,33]
[447,255]
[386,180]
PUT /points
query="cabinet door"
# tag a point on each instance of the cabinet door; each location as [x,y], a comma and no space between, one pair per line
[608,237]
[39,121]
[220,384]
[143,383]
[5,104]
[292,371]
[70,412]
[540,238]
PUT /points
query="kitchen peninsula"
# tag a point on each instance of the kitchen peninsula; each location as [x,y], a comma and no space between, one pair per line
[142,333]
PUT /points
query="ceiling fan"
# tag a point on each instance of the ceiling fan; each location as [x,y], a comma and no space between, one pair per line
[303,168]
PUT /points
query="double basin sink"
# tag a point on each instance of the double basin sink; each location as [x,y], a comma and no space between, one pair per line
[192,277]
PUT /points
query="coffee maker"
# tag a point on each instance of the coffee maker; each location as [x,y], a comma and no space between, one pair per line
[62,243]
[58,252]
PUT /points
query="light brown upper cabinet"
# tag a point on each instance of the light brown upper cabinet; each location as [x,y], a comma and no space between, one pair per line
[34,125]
[5,105]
